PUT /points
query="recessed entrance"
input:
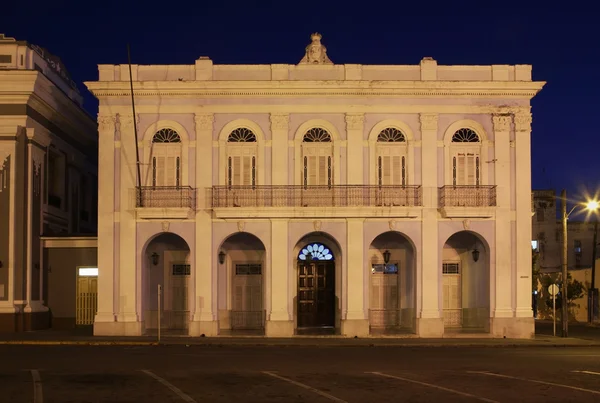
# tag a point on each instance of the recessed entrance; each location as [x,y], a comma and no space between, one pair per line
[316,289]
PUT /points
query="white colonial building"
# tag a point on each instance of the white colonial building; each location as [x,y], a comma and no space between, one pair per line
[315,198]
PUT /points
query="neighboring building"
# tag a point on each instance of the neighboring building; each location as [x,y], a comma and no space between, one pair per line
[315,198]
[48,176]
[547,242]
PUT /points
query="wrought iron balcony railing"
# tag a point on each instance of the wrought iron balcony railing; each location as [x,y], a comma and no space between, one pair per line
[467,196]
[166,196]
[316,196]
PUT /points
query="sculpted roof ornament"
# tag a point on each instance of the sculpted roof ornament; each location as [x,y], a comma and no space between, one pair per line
[316,52]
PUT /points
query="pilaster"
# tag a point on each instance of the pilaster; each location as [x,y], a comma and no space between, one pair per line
[280,321]
[106,226]
[356,322]
[8,183]
[128,294]
[279,149]
[205,276]
[28,220]
[522,282]
[429,281]
[503,278]
[354,148]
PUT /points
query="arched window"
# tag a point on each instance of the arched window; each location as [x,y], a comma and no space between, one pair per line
[391,157]
[466,158]
[166,158]
[241,157]
[315,251]
[317,154]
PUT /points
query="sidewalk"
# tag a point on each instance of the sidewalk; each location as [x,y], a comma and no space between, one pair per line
[54,337]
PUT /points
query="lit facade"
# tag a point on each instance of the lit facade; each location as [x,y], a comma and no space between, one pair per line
[315,198]
[48,168]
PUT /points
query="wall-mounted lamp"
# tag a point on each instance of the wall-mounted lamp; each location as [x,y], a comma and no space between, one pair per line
[386,256]
[475,254]
[154,258]
[0,264]
[221,257]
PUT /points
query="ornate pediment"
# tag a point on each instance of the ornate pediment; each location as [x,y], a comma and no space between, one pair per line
[316,52]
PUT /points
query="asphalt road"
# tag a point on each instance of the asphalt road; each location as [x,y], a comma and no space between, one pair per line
[297,374]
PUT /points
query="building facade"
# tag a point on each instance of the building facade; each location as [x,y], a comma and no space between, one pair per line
[315,198]
[48,177]
[547,245]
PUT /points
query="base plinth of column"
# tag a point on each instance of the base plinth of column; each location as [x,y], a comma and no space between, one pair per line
[118,329]
[513,328]
[355,327]
[279,328]
[208,328]
[430,327]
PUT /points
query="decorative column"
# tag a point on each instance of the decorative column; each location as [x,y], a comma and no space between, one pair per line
[356,322]
[8,203]
[29,216]
[279,322]
[204,320]
[279,149]
[429,321]
[354,148]
[105,316]
[522,283]
[503,277]
[127,314]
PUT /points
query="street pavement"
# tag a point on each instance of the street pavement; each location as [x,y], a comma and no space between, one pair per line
[238,373]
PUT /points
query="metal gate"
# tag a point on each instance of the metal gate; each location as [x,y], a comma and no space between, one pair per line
[86,304]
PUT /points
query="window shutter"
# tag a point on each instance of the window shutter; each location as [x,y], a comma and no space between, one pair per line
[460,170]
[160,171]
[312,171]
[386,171]
[247,170]
[397,170]
[470,169]
[237,168]
[323,170]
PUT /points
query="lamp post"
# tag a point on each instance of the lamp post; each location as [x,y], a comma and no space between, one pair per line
[591,205]
[592,290]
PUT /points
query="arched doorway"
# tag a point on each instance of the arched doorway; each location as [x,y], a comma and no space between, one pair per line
[316,301]
[167,263]
[466,283]
[241,283]
[392,298]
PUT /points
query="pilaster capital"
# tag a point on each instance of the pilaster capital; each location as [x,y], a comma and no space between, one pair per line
[126,121]
[204,121]
[523,122]
[355,121]
[429,121]
[4,154]
[501,123]
[279,121]
[106,123]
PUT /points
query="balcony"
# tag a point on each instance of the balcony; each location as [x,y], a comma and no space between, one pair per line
[467,201]
[163,202]
[312,201]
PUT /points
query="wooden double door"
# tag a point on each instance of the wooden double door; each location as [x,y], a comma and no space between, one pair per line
[316,295]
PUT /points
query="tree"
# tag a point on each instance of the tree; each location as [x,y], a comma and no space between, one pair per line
[575,290]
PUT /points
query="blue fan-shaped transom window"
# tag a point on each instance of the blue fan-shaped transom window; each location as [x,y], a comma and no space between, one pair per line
[315,251]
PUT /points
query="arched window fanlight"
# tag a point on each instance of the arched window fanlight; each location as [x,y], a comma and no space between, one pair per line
[315,251]
[465,135]
[391,135]
[317,135]
[166,136]
[242,135]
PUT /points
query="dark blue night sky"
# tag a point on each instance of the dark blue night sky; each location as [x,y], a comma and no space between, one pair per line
[562,45]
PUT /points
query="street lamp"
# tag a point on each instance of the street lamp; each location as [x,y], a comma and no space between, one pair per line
[591,205]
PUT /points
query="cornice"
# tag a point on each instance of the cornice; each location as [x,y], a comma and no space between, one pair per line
[524,89]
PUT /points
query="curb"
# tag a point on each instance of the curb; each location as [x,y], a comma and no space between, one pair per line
[259,344]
